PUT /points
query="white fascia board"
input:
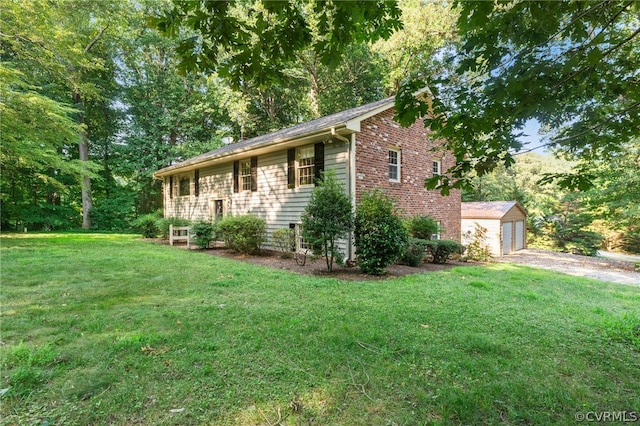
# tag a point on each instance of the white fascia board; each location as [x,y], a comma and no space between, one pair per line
[354,123]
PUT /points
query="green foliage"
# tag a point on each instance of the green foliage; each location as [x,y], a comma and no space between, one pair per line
[148,225]
[113,213]
[379,233]
[564,64]
[284,240]
[442,250]
[476,244]
[414,252]
[244,234]
[48,217]
[164,223]
[203,233]
[257,43]
[422,227]
[327,218]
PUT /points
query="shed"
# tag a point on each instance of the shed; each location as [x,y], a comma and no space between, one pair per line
[504,221]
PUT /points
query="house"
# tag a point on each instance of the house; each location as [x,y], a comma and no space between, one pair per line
[273,175]
[504,221]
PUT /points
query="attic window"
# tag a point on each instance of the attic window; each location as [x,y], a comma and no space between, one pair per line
[436,168]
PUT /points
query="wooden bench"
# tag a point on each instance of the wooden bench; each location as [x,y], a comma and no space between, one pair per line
[179,233]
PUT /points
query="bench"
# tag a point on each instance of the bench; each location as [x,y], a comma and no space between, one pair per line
[179,233]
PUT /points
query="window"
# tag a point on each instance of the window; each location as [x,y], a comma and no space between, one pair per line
[300,243]
[306,165]
[184,186]
[394,165]
[217,207]
[245,175]
[436,167]
[436,236]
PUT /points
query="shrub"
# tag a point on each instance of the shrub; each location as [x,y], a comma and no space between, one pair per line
[284,240]
[414,252]
[163,224]
[477,247]
[442,250]
[244,234]
[380,234]
[327,218]
[147,225]
[422,227]
[203,233]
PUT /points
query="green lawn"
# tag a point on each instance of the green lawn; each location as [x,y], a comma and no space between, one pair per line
[106,329]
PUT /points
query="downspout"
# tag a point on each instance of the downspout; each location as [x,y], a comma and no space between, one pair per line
[351,183]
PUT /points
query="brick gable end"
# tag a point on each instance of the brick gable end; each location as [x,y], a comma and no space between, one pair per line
[380,133]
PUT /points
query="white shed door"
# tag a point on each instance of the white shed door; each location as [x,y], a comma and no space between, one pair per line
[519,235]
[507,237]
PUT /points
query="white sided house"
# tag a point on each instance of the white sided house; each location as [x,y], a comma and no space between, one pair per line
[272,176]
[504,221]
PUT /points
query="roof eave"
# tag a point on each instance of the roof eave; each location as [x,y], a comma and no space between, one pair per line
[270,146]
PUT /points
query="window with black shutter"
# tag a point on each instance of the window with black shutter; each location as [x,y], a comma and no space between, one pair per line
[170,186]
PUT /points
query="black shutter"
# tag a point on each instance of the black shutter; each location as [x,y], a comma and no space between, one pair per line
[196,182]
[291,168]
[319,160]
[236,178]
[170,186]
[254,174]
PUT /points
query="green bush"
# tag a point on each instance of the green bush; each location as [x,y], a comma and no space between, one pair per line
[284,240]
[414,252]
[380,234]
[163,224]
[422,227]
[147,225]
[203,233]
[442,250]
[244,234]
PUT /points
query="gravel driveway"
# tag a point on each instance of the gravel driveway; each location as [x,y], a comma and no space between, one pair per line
[610,270]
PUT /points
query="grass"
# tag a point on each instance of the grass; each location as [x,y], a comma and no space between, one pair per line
[105,329]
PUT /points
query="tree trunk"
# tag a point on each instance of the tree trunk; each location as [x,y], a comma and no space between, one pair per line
[83,145]
[87,201]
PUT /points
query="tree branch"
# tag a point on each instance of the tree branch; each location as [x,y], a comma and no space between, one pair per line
[95,39]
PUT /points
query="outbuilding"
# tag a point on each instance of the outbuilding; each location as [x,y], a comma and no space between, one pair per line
[503,220]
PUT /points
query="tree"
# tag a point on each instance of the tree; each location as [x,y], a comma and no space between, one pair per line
[255,41]
[412,52]
[328,217]
[574,66]
[54,54]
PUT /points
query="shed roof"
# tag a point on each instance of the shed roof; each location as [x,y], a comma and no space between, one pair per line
[349,119]
[488,209]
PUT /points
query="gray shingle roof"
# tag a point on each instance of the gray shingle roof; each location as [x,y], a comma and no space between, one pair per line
[299,130]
